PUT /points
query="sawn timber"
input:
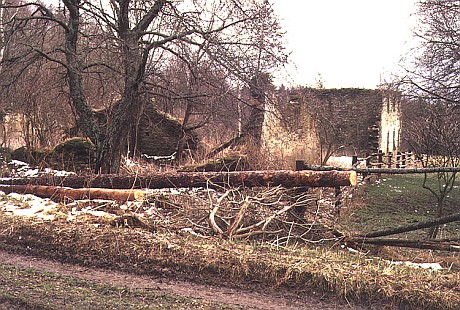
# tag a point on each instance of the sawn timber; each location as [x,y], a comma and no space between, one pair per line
[286,178]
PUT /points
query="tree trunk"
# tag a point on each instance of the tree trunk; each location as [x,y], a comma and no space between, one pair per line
[284,178]
[59,193]
[415,226]
[433,233]
[127,110]
[406,243]
[85,116]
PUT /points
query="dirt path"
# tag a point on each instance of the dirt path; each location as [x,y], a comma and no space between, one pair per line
[230,296]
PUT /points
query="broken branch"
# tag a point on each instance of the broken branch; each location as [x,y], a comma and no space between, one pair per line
[417,244]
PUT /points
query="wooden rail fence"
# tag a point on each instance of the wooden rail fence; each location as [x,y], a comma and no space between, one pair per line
[378,163]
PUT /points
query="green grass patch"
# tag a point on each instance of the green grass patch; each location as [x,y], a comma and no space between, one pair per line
[399,200]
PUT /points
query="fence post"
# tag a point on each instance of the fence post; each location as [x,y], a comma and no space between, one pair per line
[398,160]
[390,158]
[410,161]
[379,161]
[403,160]
[368,165]
[354,160]
[299,165]
[368,160]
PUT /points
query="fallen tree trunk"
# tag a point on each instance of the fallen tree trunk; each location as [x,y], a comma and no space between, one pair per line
[416,244]
[415,226]
[440,245]
[59,193]
[380,170]
[407,170]
[286,178]
[223,146]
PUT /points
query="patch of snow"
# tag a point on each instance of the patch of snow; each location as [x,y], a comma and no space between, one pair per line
[17,163]
[192,232]
[30,173]
[31,206]
[97,213]
[129,162]
[432,266]
[58,173]
[23,170]
[340,161]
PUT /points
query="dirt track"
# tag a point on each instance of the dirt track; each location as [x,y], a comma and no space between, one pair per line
[231,296]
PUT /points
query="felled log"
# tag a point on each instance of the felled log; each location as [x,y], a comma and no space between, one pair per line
[59,193]
[441,245]
[407,243]
[286,178]
[301,165]
[414,226]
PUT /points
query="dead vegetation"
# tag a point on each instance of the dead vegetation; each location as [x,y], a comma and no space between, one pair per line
[283,239]
[182,254]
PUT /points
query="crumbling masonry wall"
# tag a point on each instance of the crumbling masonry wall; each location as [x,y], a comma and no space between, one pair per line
[356,121]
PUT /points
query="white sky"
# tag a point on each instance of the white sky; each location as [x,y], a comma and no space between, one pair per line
[350,43]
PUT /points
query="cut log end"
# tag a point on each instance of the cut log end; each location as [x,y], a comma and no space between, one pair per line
[353,178]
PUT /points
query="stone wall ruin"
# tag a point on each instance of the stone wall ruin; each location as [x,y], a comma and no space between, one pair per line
[303,123]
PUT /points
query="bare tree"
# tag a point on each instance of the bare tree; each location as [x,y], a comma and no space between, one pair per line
[134,39]
[432,118]
[32,90]
[435,75]
[200,95]
[433,132]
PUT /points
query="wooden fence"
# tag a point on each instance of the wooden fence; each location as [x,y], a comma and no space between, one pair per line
[380,163]
[389,160]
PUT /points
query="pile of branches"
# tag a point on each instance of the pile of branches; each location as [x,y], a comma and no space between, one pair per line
[277,215]
[284,216]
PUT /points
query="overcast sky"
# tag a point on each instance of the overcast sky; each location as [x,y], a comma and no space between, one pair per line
[350,43]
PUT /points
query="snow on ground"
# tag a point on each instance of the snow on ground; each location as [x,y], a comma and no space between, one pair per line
[27,205]
[431,266]
[23,170]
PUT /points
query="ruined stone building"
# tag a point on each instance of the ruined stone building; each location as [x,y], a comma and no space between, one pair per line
[313,124]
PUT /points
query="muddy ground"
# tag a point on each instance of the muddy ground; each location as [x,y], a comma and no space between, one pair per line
[245,296]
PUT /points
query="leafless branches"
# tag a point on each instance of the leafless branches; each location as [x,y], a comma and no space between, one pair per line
[115,55]
[276,214]
[436,68]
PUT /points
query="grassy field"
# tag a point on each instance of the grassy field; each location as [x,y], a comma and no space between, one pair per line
[399,200]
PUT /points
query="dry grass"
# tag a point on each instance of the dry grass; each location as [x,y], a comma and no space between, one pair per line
[27,288]
[321,270]
[174,237]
